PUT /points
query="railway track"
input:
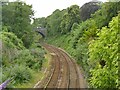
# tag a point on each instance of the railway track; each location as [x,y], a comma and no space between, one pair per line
[73,73]
[63,72]
[55,75]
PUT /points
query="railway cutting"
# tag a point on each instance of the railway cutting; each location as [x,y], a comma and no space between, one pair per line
[63,72]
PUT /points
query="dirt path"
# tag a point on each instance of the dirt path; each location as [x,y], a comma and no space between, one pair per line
[63,72]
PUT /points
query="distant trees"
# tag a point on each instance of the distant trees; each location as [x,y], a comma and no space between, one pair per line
[39,22]
[53,22]
[61,22]
[70,17]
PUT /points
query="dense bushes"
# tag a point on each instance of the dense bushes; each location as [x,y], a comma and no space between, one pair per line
[17,61]
[10,40]
[20,73]
[103,57]
[10,46]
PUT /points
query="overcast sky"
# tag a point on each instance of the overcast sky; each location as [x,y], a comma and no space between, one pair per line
[44,8]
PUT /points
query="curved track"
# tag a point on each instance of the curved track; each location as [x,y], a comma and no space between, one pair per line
[63,72]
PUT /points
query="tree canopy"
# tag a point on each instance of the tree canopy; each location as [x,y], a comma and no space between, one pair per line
[16,16]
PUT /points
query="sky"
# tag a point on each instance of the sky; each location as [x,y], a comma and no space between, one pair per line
[44,8]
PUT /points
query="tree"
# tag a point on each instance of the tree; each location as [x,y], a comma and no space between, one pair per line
[53,22]
[17,15]
[39,22]
[104,15]
[103,57]
[70,17]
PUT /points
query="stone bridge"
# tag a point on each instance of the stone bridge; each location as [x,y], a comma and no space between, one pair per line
[42,31]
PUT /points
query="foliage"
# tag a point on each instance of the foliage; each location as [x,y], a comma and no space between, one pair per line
[20,74]
[10,40]
[17,61]
[104,15]
[53,22]
[105,47]
[32,58]
[60,21]
[78,42]
[13,49]
[94,44]
[70,17]
[21,56]
[103,78]
[16,16]
[10,45]
[39,22]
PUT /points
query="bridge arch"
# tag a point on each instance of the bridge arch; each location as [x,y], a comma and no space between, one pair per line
[42,31]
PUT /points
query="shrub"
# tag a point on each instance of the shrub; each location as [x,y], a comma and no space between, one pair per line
[20,73]
[105,48]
